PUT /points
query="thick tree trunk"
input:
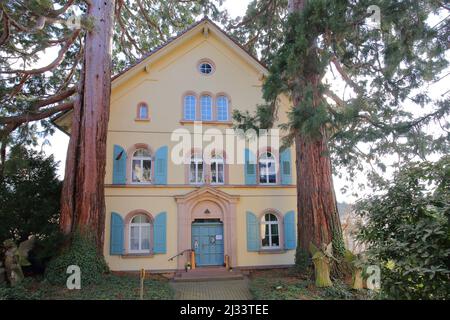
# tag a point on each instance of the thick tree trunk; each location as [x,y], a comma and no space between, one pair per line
[83,202]
[318,218]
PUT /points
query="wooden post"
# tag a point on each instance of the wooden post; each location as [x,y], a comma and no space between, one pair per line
[142,276]
[192,259]
[227,262]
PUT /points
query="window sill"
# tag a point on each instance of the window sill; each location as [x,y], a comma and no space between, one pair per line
[142,120]
[214,122]
[136,255]
[271,251]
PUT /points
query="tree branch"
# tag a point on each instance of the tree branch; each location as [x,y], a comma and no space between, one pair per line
[55,98]
[345,76]
[52,65]
[15,120]
[5,35]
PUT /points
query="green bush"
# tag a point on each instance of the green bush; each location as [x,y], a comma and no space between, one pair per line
[20,291]
[43,251]
[83,253]
[31,178]
[407,232]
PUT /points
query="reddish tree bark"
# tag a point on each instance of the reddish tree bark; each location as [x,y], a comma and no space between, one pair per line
[318,217]
[83,201]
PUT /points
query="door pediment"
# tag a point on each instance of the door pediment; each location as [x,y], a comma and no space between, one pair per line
[205,193]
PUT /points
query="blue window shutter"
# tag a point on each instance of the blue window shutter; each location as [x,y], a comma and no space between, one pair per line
[250,167]
[159,233]
[119,165]
[161,165]
[116,234]
[289,231]
[286,167]
[253,240]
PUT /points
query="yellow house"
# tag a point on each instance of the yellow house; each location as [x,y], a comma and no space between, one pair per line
[225,201]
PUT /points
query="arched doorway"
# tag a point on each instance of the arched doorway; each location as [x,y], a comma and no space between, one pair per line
[206,224]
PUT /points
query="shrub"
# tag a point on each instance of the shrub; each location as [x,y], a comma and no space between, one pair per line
[32,178]
[43,251]
[83,253]
[19,292]
[407,232]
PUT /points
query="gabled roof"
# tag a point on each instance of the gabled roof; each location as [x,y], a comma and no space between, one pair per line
[191,30]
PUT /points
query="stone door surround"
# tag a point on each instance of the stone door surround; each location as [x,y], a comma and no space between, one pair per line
[206,203]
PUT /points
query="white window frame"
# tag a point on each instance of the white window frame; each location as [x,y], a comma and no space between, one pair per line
[266,161]
[194,106]
[141,160]
[217,161]
[226,106]
[197,160]
[270,223]
[140,226]
[203,107]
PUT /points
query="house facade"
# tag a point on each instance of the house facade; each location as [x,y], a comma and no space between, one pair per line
[166,197]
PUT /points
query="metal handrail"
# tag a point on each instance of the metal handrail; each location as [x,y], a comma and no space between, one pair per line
[179,254]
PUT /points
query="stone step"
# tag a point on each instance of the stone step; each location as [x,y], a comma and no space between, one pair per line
[208,274]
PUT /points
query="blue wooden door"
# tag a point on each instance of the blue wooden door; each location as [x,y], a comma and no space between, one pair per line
[207,242]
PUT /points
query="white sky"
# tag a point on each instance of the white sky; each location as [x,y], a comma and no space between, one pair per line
[57,144]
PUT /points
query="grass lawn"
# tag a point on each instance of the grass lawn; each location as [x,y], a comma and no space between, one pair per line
[111,287]
[287,284]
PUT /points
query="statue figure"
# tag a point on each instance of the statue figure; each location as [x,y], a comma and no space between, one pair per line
[16,258]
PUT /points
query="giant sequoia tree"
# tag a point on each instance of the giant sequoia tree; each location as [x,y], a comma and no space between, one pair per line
[384,72]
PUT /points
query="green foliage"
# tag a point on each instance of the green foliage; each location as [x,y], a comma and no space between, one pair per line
[302,260]
[44,250]
[289,285]
[82,252]
[21,291]
[29,195]
[140,27]
[387,101]
[109,287]
[407,231]
[261,29]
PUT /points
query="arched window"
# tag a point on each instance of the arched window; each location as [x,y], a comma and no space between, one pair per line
[270,231]
[222,108]
[189,107]
[142,111]
[267,169]
[217,170]
[206,107]
[196,169]
[141,167]
[139,234]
